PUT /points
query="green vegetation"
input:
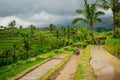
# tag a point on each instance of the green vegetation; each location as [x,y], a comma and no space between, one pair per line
[7,72]
[114,6]
[84,70]
[21,49]
[57,67]
[91,15]
[5,42]
[30,42]
[113,46]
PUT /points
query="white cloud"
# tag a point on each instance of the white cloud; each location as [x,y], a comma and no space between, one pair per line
[4,21]
[45,18]
[41,12]
[41,19]
[108,12]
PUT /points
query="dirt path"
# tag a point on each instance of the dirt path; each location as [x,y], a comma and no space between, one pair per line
[42,69]
[106,66]
[67,73]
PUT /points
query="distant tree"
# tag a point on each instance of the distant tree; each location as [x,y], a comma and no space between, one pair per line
[57,35]
[12,24]
[52,27]
[26,44]
[11,28]
[84,33]
[68,33]
[63,31]
[14,49]
[63,34]
[21,26]
[91,15]
[6,52]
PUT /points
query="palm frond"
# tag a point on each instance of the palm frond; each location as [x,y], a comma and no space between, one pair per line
[80,11]
[99,20]
[92,10]
[105,4]
[79,20]
[98,13]
[87,10]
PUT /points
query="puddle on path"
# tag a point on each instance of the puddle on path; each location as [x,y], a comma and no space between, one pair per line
[106,66]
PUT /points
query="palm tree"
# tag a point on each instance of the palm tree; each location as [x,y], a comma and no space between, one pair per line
[12,24]
[6,52]
[114,6]
[11,27]
[14,48]
[68,33]
[91,15]
[63,31]
[57,35]
[63,34]
[26,44]
[52,27]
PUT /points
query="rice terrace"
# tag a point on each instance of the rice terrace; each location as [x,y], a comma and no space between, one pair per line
[60,40]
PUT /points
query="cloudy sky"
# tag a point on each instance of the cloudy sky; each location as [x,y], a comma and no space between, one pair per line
[40,12]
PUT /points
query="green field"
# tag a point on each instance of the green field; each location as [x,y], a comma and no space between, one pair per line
[7,42]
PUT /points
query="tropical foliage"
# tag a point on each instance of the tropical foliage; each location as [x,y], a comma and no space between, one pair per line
[24,43]
[91,15]
[114,6]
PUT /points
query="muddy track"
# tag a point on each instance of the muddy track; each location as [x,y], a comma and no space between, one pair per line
[42,69]
[105,65]
[68,71]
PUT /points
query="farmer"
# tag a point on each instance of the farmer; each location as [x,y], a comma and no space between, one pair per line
[75,48]
[76,51]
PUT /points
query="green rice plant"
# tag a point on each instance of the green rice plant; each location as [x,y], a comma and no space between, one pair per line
[113,46]
[84,70]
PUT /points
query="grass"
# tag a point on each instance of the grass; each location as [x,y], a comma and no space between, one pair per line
[84,70]
[8,72]
[14,69]
[113,46]
[6,42]
[56,68]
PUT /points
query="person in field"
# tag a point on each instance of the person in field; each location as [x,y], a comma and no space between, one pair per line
[76,51]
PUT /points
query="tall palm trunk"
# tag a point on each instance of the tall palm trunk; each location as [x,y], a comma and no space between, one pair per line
[115,10]
[91,25]
[114,25]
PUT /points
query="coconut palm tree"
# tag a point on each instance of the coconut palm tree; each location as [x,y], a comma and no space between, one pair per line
[52,27]
[114,6]
[12,24]
[11,27]
[63,34]
[68,33]
[26,44]
[91,15]
[14,48]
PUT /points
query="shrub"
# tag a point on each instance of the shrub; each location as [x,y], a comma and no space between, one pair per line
[113,46]
[102,41]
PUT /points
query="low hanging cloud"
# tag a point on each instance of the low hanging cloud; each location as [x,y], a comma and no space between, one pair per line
[108,13]
[41,19]
[22,7]
[45,18]
[6,20]
[41,12]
